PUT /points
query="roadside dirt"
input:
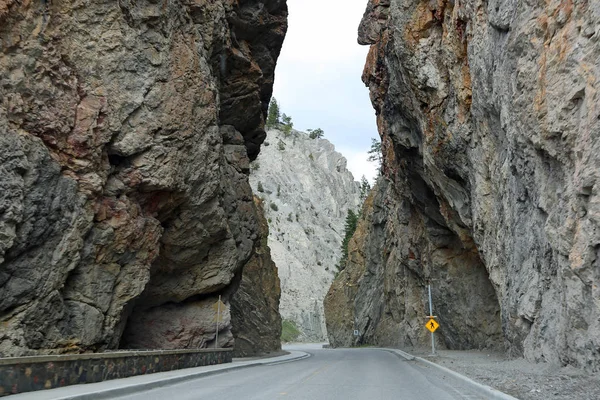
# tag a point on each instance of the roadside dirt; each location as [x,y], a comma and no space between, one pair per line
[518,377]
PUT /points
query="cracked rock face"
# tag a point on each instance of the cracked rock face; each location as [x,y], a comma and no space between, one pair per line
[255,306]
[126,132]
[488,113]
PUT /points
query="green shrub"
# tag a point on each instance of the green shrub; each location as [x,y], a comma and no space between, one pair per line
[287,123]
[316,133]
[274,207]
[273,115]
[289,331]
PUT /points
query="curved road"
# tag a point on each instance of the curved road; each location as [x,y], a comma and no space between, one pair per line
[329,374]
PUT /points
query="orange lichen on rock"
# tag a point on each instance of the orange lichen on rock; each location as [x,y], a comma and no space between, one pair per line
[422,20]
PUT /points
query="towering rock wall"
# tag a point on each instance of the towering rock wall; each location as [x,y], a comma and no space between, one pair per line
[126,132]
[307,192]
[255,306]
[489,117]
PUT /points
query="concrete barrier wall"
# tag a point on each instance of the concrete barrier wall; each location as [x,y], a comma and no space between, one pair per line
[26,374]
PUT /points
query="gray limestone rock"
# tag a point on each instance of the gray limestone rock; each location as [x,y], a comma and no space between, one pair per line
[126,132]
[489,123]
[192,325]
[307,192]
[255,318]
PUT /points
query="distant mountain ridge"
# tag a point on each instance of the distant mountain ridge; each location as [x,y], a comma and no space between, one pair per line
[307,191]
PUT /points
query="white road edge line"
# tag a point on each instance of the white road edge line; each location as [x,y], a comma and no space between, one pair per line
[483,390]
[306,355]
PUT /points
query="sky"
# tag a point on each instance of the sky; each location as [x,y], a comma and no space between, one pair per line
[318,78]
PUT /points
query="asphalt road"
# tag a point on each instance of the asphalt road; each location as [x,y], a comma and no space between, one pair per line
[329,374]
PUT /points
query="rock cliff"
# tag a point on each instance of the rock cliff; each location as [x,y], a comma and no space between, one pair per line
[126,132]
[490,125]
[255,306]
[307,192]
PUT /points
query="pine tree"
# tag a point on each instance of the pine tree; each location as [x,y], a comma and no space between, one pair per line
[375,154]
[365,188]
[286,120]
[316,133]
[350,228]
[375,151]
[273,116]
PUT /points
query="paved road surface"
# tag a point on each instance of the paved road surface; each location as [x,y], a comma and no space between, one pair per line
[329,374]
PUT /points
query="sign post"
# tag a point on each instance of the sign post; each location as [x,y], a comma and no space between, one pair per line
[431,324]
[218,318]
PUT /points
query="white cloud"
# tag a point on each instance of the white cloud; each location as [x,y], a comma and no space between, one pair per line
[358,164]
[324,29]
[318,77]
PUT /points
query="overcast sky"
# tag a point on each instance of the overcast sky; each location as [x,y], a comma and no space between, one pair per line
[318,77]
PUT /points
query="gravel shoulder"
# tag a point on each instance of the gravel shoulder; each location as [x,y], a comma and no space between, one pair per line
[518,377]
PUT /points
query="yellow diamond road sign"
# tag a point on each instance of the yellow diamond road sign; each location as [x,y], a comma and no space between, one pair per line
[219,308]
[432,325]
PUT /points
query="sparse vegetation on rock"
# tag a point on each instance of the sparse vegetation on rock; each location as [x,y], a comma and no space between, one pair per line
[273,115]
[349,229]
[375,153]
[365,188]
[286,124]
[316,133]
[289,331]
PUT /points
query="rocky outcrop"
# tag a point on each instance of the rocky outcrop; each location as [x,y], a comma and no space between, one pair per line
[126,132]
[307,192]
[381,293]
[488,113]
[255,305]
